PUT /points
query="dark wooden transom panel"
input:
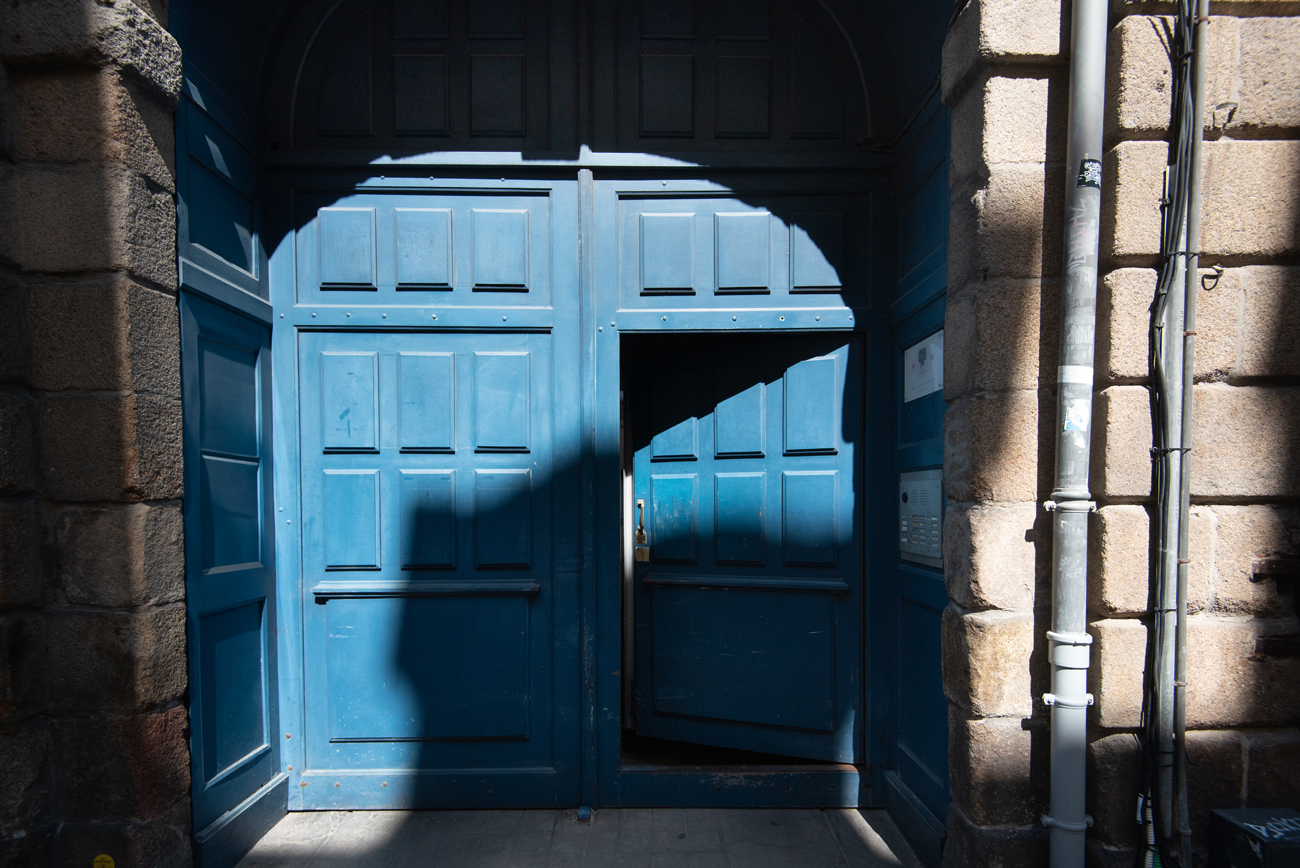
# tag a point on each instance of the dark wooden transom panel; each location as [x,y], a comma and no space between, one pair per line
[410,76]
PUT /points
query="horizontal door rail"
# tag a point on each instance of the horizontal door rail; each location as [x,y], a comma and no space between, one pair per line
[429,588]
[758,583]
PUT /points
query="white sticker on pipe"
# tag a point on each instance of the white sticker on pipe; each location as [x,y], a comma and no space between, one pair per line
[1074,374]
[1076,415]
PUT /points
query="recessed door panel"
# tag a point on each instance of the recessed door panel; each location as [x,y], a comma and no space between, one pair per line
[351,515]
[502,518]
[667,252]
[500,248]
[422,247]
[426,392]
[230,504]
[428,519]
[673,501]
[233,684]
[811,411]
[750,658]
[808,511]
[347,247]
[744,249]
[746,605]
[348,401]
[229,419]
[740,417]
[378,690]
[739,532]
[501,402]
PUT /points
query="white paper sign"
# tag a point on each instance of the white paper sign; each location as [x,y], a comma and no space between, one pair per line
[923,368]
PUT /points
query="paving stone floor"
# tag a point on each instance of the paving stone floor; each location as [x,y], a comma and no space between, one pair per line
[626,838]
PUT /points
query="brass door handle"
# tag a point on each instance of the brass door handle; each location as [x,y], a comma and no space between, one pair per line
[640,528]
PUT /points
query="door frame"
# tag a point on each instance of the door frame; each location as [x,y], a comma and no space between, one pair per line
[606,781]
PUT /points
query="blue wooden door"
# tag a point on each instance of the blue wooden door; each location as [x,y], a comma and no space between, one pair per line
[435,405]
[747,568]
[238,788]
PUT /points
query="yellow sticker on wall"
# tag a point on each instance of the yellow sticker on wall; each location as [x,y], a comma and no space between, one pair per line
[103,860]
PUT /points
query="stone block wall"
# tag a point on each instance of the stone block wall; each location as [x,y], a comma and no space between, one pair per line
[93,729]
[1005,75]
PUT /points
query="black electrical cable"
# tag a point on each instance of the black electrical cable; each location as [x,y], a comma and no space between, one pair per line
[1173,246]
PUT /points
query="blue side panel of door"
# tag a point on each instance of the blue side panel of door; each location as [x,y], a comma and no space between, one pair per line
[916,777]
[238,790]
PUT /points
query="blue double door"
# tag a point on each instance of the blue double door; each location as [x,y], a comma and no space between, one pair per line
[434,362]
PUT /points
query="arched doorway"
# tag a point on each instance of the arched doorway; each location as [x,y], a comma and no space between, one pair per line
[541,279]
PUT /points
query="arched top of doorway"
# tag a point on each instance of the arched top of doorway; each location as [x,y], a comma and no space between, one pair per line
[544,77]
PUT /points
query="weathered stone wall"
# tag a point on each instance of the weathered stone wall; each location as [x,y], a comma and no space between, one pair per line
[93,728]
[1005,76]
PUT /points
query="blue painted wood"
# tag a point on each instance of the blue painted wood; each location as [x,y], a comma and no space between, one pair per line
[230,577]
[667,252]
[674,516]
[503,518]
[426,390]
[349,401]
[732,443]
[740,504]
[809,515]
[422,247]
[776,249]
[502,401]
[738,419]
[399,675]
[402,246]
[500,248]
[743,245]
[914,596]
[428,519]
[347,247]
[475,439]
[732,649]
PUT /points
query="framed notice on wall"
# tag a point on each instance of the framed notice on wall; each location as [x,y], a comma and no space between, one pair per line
[923,367]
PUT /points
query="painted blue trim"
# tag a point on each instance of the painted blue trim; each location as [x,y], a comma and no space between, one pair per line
[200,90]
[922,829]
[202,282]
[737,319]
[229,837]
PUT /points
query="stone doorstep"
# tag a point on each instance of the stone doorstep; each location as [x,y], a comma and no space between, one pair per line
[807,838]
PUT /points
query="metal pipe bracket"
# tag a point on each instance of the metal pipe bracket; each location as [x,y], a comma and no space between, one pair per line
[1070,650]
[1066,826]
[1069,701]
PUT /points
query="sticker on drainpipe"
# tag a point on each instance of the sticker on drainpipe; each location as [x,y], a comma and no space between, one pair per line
[1076,416]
